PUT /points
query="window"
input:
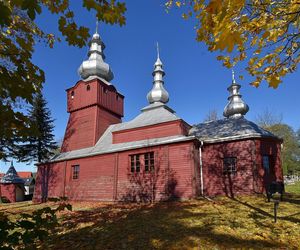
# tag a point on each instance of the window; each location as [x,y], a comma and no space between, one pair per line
[75,172]
[229,165]
[88,87]
[266,163]
[72,94]
[117,97]
[149,161]
[145,160]
[135,165]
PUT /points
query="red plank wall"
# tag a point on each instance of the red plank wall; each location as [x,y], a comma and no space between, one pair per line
[93,106]
[108,177]
[250,174]
[49,181]
[86,126]
[149,132]
[273,149]
[8,191]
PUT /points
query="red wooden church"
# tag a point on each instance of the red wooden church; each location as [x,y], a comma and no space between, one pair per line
[157,155]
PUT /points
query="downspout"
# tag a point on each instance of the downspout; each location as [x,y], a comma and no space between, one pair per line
[65,176]
[201,169]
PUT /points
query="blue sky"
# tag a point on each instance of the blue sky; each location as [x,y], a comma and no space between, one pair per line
[195,80]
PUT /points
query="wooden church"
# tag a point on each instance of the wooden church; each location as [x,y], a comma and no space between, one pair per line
[157,155]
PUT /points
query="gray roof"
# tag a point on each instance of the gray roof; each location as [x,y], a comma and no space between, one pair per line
[11,176]
[228,129]
[153,114]
[29,181]
[156,113]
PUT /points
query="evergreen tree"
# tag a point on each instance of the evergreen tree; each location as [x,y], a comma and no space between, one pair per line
[40,144]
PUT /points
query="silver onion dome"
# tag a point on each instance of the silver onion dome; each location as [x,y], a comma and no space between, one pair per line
[158,92]
[95,65]
[236,107]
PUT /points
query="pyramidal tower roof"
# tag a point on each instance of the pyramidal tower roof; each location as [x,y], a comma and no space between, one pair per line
[236,107]
[158,93]
[11,176]
[95,66]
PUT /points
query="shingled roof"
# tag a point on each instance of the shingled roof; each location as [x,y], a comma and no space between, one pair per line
[155,113]
[229,129]
[11,177]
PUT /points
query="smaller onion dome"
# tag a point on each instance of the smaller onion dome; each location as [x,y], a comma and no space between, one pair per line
[95,65]
[11,176]
[236,107]
[158,92]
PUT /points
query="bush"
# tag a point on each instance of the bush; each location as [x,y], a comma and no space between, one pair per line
[3,199]
[30,229]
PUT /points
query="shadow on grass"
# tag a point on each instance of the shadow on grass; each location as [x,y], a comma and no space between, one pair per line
[260,212]
[10,207]
[291,198]
[159,226]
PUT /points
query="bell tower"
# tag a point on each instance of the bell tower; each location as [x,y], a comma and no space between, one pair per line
[93,102]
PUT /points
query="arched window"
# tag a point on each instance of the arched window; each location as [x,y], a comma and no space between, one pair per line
[72,94]
[88,87]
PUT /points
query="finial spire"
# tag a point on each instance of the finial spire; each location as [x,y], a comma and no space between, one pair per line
[158,92]
[236,107]
[95,65]
[233,78]
[97,23]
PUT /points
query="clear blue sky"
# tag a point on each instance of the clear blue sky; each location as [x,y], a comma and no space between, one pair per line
[195,80]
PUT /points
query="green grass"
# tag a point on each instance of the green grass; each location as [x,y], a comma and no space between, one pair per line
[223,223]
[294,188]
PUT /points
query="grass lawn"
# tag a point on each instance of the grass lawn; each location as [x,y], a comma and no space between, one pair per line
[245,222]
[294,188]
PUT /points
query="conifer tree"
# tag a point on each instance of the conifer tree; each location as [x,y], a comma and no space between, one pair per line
[40,144]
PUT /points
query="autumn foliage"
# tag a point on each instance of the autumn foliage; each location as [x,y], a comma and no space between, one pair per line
[265,34]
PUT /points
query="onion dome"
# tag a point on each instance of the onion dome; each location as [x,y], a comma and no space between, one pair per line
[11,176]
[95,65]
[236,107]
[158,92]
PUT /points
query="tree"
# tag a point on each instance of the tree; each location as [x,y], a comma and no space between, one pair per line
[263,33]
[40,144]
[20,78]
[211,116]
[268,119]
[290,154]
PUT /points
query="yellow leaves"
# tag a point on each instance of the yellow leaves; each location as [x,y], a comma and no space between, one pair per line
[266,34]
[214,6]
[267,69]
[178,4]
[226,62]
[273,80]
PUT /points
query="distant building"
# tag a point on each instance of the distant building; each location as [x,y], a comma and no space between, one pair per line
[157,155]
[12,186]
[25,175]
[29,183]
